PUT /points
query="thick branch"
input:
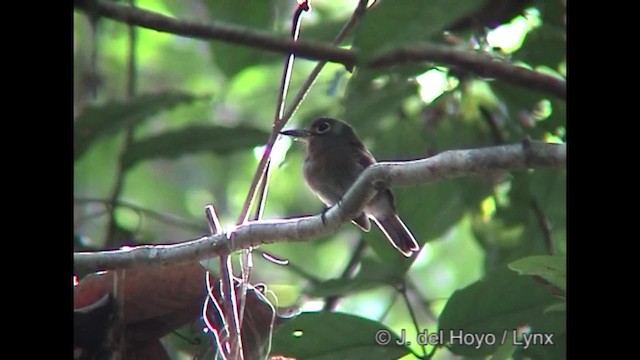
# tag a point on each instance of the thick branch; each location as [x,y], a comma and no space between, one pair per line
[447,165]
[479,64]
[217,31]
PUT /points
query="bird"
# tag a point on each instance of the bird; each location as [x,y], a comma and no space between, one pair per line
[335,157]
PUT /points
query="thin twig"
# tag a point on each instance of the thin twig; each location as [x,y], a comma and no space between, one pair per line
[543,222]
[298,270]
[490,118]
[544,225]
[262,173]
[310,80]
[389,307]
[153,214]
[412,314]
[426,309]
[130,91]
[120,274]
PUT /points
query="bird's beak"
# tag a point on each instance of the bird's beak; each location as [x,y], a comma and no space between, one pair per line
[296,133]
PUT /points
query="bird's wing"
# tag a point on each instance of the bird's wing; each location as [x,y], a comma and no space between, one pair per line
[362,155]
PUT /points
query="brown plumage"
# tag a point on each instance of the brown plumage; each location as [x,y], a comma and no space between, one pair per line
[335,158]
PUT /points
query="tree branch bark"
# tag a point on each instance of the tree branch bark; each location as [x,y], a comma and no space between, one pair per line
[478,64]
[447,165]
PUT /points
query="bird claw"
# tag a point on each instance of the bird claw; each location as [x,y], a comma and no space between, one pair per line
[380,185]
[323,216]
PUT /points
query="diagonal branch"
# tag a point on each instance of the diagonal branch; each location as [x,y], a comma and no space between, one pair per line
[217,31]
[446,165]
[478,64]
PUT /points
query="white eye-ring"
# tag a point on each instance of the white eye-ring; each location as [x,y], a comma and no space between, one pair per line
[323,127]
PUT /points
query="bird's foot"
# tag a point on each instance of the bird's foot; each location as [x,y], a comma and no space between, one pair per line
[323,216]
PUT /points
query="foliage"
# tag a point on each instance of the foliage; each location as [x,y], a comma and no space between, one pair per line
[203,109]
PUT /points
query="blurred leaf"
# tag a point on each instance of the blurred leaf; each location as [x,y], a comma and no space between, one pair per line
[325,335]
[544,46]
[372,273]
[561,306]
[521,101]
[388,25]
[515,230]
[367,101]
[500,303]
[552,11]
[324,31]
[100,121]
[256,15]
[552,268]
[549,187]
[217,139]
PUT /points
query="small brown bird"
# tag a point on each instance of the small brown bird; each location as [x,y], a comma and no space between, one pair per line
[335,158]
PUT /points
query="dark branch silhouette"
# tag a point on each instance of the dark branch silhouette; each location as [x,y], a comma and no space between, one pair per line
[478,64]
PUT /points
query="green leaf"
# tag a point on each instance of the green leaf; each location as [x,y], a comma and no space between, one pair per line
[543,46]
[368,102]
[553,12]
[256,15]
[217,139]
[391,24]
[372,273]
[99,121]
[552,268]
[561,306]
[325,335]
[498,305]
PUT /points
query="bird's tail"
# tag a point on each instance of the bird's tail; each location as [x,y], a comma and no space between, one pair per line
[398,234]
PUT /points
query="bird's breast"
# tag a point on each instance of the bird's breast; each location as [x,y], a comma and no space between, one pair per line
[330,173]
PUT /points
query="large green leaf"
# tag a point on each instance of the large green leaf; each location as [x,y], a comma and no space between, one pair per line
[390,24]
[553,12]
[372,273]
[256,15]
[551,268]
[326,335]
[498,305]
[216,139]
[543,46]
[99,121]
[372,94]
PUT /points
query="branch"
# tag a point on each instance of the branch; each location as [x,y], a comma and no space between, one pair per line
[479,64]
[216,31]
[447,165]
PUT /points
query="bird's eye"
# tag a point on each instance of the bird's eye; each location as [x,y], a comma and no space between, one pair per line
[323,127]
